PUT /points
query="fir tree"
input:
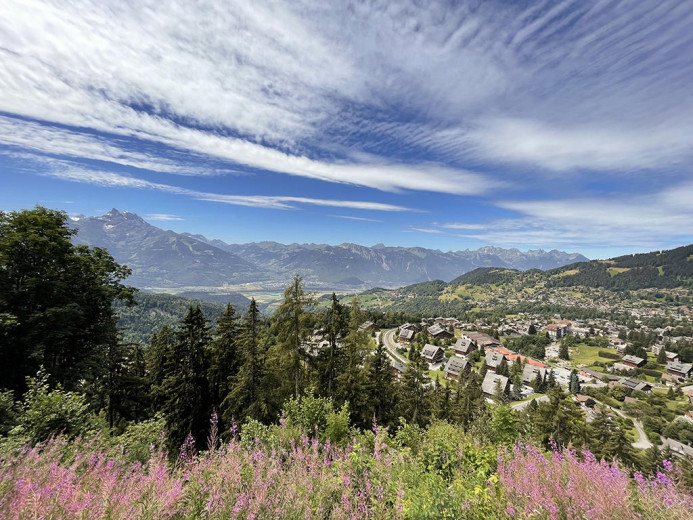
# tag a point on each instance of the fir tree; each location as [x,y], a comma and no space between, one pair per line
[187,406]
[574,386]
[351,382]
[246,397]
[502,368]
[224,356]
[414,400]
[563,352]
[382,391]
[292,331]
[662,356]
[330,358]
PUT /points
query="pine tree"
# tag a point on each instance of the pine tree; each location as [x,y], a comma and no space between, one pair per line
[502,368]
[246,396]
[558,419]
[442,401]
[414,400]
[224,356]
[517,387]
[551,382]
[292,331]
[159,358]
[662,356]
[382,391]
[469,403]
[563,352]
[574,386]
[483,369]
[187,406]
[330,358]
[351,382]
[538,384]
[532,329]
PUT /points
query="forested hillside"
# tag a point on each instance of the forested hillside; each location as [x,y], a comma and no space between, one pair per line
[658,269]
[153,311]
[502,287]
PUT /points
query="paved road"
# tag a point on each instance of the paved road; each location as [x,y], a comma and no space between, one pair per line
[643,441]
[391,346]
[524,404]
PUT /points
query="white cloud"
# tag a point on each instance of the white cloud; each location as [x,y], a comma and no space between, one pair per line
[248,89]
[70,172]
[363,219]
[661,219]
[162,217]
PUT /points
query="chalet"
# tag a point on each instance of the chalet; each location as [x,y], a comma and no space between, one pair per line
[493,359]
[673,357]
[680,370]
[432,354]
[491,382]
[464,347]
[400,368]
[585,400]
[635,384]
[437,331]
[406,335]
[456,366]
[633,361]
[411,326]
[529,373]
[368,326]
[482,340]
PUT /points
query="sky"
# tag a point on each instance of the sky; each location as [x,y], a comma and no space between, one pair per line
[449,125]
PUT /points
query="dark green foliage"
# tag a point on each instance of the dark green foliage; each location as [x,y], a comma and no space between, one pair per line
[247,396]
[55,299]
[292,328]
[415,395]
[186,402]
[662,357]
[563,351]
[574,386]
[153,311]
[224,356]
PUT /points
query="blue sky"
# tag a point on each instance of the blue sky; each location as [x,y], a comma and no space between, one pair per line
[450,125]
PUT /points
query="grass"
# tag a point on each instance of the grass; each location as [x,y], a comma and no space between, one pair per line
[585,354]
[613,271]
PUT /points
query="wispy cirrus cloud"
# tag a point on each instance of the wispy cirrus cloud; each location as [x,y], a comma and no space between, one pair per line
[68,171]
[164,217]
[648,221]
[362,219]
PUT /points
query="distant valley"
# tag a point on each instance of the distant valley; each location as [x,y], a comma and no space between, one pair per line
[194,265]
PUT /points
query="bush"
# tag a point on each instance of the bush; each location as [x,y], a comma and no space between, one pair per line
[608,354]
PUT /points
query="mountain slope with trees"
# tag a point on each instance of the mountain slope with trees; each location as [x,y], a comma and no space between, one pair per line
[161,258]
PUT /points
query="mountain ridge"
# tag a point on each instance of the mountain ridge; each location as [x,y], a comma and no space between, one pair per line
[164,258]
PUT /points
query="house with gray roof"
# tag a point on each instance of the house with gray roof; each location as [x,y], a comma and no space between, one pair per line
[464,347]
[455,367]
[432,353]
[680,370]
[493,359]
[491,382]
[529,373]
[437,331]
[635,384]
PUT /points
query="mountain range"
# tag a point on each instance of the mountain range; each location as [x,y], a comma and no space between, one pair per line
[165,259]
